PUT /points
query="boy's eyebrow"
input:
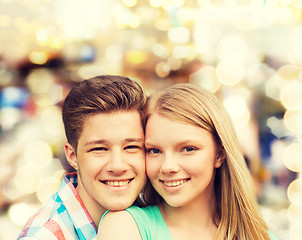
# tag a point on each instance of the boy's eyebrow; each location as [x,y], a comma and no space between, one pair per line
[102,141]
[94,142]
[134,139]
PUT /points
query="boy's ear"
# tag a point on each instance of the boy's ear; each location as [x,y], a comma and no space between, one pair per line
[71,155]
[221,156]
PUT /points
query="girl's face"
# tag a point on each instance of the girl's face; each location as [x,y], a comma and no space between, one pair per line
[180,161]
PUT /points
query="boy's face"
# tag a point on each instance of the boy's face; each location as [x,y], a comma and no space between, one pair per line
[110,160]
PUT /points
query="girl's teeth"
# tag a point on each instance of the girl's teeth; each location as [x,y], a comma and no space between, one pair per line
[117,183]
[175,183]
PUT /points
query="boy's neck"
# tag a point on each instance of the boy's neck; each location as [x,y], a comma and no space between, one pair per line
[94,209]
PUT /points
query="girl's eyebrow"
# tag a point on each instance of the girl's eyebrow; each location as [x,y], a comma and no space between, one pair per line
[150,144]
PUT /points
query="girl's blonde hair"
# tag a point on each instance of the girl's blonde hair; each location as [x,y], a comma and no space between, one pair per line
[235,196]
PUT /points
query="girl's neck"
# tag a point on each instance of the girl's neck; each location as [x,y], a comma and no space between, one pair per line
[193,221]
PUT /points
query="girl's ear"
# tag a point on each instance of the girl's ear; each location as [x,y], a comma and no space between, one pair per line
[71,155]
[221,156]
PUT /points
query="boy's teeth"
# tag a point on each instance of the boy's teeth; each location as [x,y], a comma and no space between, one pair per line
[117,183]
[174,183]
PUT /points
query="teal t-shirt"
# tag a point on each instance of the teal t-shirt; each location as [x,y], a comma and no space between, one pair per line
[149,221]
[151,224]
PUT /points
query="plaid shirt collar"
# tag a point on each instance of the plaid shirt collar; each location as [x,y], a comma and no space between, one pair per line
[79,215]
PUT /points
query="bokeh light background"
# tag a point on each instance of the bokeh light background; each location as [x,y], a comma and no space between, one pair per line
[248,52]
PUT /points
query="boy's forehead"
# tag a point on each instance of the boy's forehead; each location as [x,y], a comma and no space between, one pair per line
[112,123]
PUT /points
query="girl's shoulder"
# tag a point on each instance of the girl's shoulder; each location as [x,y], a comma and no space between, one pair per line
[116,225]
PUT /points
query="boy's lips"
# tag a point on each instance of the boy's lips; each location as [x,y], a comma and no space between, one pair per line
[117,183]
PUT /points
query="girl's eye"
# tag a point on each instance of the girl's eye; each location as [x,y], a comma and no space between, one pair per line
[153,151]
[188,149]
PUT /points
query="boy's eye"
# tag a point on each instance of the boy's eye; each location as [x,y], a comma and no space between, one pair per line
[98,149]
[133,148]
[153,151]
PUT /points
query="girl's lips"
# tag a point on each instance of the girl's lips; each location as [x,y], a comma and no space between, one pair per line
[174,183]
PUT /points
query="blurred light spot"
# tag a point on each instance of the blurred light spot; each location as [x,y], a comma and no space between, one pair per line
[179,35]
[51,120]
[82,21]
[11,192]
[42,101]
[38,154]
[277,126]
[294,192]
[126,18]
[297,4]
[206,77]
[295,232]
[295,52]
[9,117]
[184,51]
[38,57]
[5,20]
[295,55]
[204,3]
[147,14]
[295,36]
[231,46]
[87,53]
[170,4]
[42,35]
[48,186]
[40,81]
[174,63]
[114,53]
[59,174]
[20,22]
[291,96]
[185,14]
[134,21]
[205,36]
[162,24]
[271,89]
[288,14]
[27,179]
[238,111]
[162,69]
[230,72]
[155,3]
[293,120]
[19,213]
[285,74]
[136,57]
[56,42]
[292,157]
[13,97]
[258,73]
[89,70]
[294,214]
[129,3]
[160,50]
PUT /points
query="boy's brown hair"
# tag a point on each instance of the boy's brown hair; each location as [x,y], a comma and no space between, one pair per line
[101,94]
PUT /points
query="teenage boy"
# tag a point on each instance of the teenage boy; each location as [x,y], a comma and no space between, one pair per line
[105,145]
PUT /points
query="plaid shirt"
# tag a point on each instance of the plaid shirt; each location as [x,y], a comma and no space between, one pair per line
[63,217]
